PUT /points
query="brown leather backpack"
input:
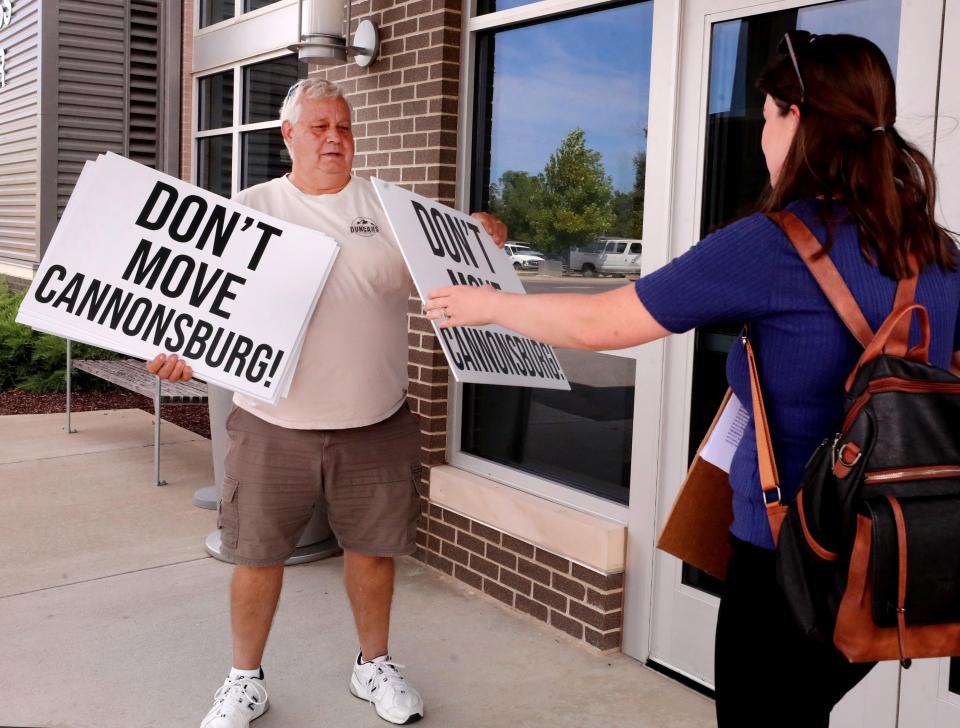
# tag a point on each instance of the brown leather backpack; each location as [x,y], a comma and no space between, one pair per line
[868,552]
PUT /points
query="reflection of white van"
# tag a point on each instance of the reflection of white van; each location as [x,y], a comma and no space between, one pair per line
[608,256]
[523,256]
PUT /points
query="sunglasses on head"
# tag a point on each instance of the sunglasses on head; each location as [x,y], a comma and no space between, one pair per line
[292,90]
[791,40]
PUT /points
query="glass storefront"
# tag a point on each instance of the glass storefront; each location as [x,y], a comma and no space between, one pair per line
[560,156]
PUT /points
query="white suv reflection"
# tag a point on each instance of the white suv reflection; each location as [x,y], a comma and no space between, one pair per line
[523,256]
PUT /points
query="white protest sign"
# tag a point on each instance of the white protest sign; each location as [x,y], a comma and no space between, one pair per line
[143,263]
[443,247]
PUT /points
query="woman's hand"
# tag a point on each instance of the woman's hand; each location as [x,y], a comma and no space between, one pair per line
[462,305]
[170,368]
[494,226]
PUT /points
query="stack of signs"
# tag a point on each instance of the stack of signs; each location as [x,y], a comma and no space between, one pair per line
[444,247]
[143,264]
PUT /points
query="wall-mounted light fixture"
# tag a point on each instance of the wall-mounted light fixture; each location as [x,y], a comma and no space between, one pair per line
[322,36]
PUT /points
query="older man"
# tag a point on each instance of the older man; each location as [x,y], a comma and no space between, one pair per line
[343,439]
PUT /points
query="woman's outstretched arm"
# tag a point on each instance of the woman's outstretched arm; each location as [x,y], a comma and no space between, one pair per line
[616,319]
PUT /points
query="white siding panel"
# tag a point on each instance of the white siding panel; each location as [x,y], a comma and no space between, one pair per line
[19,139]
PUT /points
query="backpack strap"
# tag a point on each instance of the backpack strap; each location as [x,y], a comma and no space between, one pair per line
[906,292]
[831,283]
[880,345]
[826,274]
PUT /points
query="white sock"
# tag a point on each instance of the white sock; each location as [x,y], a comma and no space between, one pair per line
[237,674]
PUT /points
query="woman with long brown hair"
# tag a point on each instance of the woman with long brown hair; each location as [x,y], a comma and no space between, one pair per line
[837,161]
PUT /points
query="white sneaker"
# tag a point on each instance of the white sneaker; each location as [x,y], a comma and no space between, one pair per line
[380,682]
[236,703]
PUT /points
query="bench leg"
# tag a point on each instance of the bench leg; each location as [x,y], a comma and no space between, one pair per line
[70,430]
[156,435]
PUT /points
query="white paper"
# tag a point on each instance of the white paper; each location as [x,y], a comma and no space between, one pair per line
[443,247]
[266,302]
[727,434]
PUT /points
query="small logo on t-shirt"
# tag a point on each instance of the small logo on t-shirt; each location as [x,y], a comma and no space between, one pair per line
[364,226]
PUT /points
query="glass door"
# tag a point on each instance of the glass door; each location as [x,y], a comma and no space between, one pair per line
[718,174]
[930,692]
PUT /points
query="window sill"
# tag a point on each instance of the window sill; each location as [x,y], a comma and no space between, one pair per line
[594,542]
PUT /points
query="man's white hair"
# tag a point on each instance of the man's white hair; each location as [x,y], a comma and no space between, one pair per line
[310,88]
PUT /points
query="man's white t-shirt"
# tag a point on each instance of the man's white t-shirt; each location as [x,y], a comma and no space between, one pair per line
[353,366]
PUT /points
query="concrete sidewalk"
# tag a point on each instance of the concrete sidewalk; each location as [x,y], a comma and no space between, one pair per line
[112,615]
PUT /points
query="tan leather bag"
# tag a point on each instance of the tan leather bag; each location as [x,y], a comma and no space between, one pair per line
[699,523]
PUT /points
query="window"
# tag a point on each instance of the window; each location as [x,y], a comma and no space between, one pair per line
[954,686]
[735,173]
[265,86]
[215,101]
[215,164]
[249,5]
[255,142]
[560,118]
[636,248]
[216,11]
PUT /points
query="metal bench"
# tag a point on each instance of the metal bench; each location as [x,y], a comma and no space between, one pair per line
[131,374]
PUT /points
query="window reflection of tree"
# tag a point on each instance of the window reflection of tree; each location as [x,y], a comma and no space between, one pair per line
[553,199]
[572,201]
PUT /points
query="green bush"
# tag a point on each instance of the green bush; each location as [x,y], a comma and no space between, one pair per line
[36,362]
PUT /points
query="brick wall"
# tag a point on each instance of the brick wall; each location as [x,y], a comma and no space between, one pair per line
[584,603]
[405,104]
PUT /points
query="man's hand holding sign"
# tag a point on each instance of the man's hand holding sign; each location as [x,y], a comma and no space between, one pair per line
[443,246]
